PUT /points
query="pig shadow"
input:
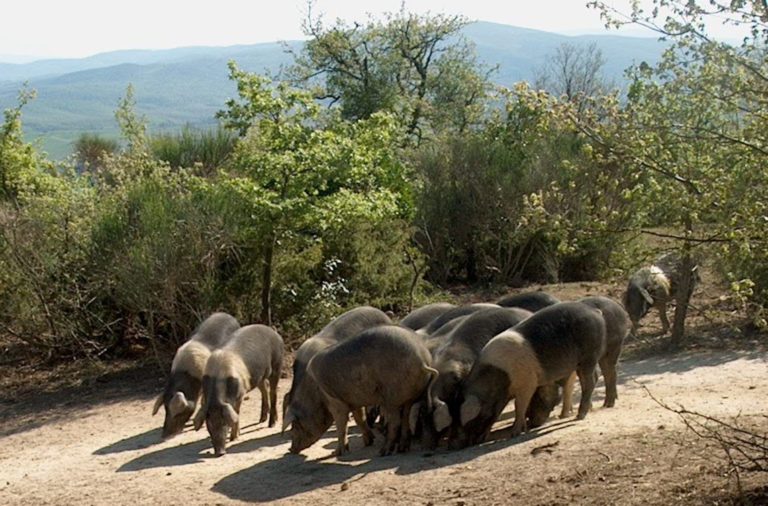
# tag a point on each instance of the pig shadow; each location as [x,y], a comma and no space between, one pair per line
[137,442]
[195,451]
[179,455]
[291,475]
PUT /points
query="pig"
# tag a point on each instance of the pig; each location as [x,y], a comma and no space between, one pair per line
[421,317]
[466,309]
[617,327]
[454,359]
[541,350]
[252,358]
[304,397]
[532,301]
[654,286]
[387,366]
[184,384]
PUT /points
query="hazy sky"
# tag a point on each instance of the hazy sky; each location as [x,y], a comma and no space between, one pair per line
[76,28]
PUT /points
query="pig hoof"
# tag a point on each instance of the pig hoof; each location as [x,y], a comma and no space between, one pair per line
[367,439]
[263,419]
[581,416]
[566,414]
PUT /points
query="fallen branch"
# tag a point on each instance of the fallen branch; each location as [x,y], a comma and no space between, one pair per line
[545,448]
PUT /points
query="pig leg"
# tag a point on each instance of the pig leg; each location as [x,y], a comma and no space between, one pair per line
[405,430]
[664,321]
[234,433]
[568,396]
[359,416]
[340,413]
[608,366]
[264,401]
[392,416]
[523,396]
[587,380]
[273,398]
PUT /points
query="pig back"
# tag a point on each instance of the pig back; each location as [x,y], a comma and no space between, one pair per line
[564,336]
[466,309]
[477,329]
[260,348]
[421,317]
[385,365]
[531,301]
[617,322]
[215,330]
[455,357]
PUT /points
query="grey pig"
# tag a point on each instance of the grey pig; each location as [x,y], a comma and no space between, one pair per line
[252,358]
[453,360]
[654,286]
[304,397]
[545,348]
[421,317]
[183,387]
[452,314]
[617,326]
[532,301]
[386,366]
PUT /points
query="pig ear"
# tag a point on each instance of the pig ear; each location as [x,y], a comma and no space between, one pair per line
[442,416]
[288,419]
[646,296]
[158,403]
[200,417]
[413,416]
[470,409]
[230,415]
[178,403]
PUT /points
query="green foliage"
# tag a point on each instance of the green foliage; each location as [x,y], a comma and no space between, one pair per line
[419,68]
[315,170]
[90,151]
[526,199]
[203,151]
[133,126]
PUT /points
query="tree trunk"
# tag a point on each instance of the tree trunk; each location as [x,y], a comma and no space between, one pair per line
[682,298]
[266,282]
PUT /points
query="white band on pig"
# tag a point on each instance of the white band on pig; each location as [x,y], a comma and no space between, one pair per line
[178,403]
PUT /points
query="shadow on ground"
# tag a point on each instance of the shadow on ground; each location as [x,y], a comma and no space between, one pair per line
[140,383]
[296,474]
[189,453]
[679,363]
[137,442]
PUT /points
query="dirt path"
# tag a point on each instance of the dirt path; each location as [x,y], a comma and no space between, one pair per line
[635,453]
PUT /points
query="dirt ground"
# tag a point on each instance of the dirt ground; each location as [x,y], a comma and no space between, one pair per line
[96,443]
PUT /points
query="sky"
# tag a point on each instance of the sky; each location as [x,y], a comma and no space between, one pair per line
[78,28]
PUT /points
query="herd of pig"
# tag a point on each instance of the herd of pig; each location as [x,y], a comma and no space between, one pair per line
[442,372]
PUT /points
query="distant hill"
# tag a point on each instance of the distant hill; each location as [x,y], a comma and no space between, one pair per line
[188,85]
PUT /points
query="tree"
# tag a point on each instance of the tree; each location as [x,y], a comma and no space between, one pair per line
[695,127]
[309,171]
[419,68]
[574,72]
[133,126]
[90,150]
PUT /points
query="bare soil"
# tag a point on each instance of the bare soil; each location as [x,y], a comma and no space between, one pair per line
[94,442]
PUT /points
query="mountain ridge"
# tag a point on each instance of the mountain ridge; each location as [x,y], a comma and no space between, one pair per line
[187,85]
